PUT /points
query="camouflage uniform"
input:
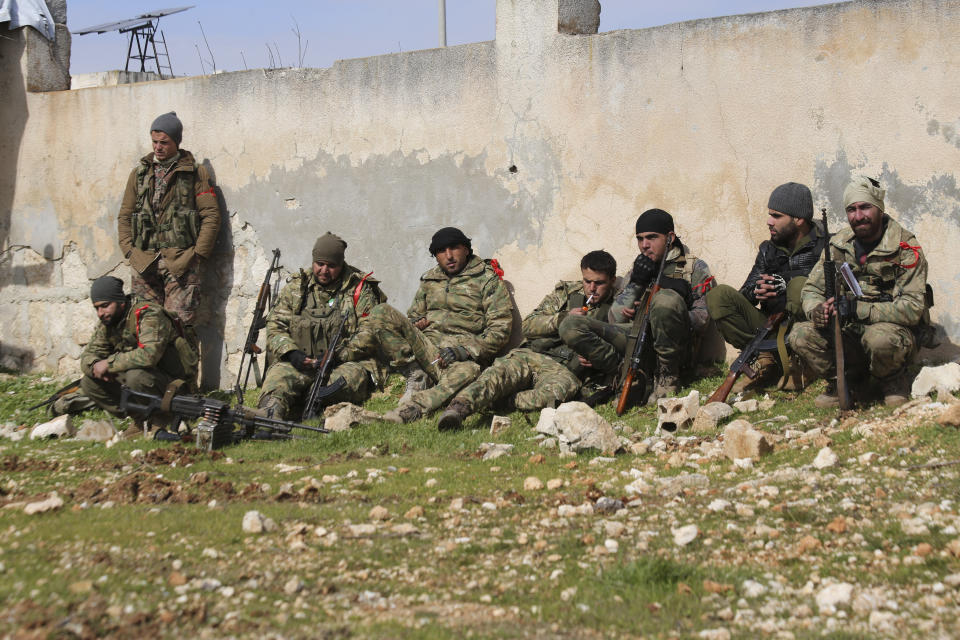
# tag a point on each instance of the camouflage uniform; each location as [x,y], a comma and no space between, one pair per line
[674,317]
[543,371]
[883,332]
[471,309]
[304,318]
[166,238]
[146,351]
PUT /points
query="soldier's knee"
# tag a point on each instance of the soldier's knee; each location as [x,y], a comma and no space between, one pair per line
[719,301]
[143,379]
[667,305]
[571,327]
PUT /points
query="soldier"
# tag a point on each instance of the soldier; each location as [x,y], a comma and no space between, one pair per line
[779,273]
[306,316]
[881,327]
[168,223]
[138,344]
[678,312]
[460,318]
[543,371]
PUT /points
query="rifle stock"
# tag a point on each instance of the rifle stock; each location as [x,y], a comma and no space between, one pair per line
[720,395]
[59,393]
[625,393]
[633,366]
[742,363]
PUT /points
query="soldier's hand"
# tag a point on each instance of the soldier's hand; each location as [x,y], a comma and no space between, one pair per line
[643,272]
[630,312]
[822,313]
[421,324]
[584,362]
[100,370]
[577,311]
[449,355]
[300,361]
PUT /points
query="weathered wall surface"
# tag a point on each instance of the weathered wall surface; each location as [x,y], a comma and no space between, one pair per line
[540,145]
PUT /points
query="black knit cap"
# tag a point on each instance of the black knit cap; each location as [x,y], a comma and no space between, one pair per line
[107,289]
[448,237]
[656,220]
[793,199]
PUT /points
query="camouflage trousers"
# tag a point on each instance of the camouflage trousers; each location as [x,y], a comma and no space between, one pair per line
[106,395]
[392,336]
[881,349]
[180,296]
[737,319]
[604,344]
[289,387]
[537,380]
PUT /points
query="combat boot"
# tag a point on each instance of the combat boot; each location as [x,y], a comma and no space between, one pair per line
[271,407]
[666,382]
[766,366]
[453,417]
[829,398]
[896,390]
[417,380]
[404,413]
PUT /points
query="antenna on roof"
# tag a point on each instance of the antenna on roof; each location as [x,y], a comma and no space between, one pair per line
[143,34]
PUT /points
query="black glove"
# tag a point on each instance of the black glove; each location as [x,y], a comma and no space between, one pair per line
[296,358]
[679,285]
[846,308]
[643,272]
[449,355]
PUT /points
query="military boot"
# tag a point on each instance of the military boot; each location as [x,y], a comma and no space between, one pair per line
[766,366]
[271,407]
[666,382]
[829,398]
[454,415]
[417,380]
[404,413]
[71,403]
[896,390]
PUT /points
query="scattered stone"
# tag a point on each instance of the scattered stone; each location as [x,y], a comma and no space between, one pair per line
[378,514]
[719,505]
[808,543]
[714,634]
[176,579]
[954,547]
[293,586]
[96,431]
[825,459]
[710,416]
[741,440]
[753,589]
[914,527]
[344,416]
[950,417]
[414,512]
[404,529]
[923,549]
[254,522]
[554,483]
[834,596]
[744,464]
[683,536]
[747,406]
[766,404]
[136,454]
[494,450]
[716,587]
[50,504]
[614,528]
[548,443]
[677,414]
[81,587]
[362,530]
[59,427]
[499,424]
[943,379]
[578,427]
[532,484]
[608,505]
[674,485]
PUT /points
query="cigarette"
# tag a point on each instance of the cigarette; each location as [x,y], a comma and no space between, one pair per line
[586,305]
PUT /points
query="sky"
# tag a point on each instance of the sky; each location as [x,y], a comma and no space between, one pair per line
[239,32]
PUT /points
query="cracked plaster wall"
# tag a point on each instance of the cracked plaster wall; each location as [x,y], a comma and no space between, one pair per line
[540,145]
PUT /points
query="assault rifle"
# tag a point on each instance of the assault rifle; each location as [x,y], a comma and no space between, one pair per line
[218,420]
[633,366]
[264,299]
[59,393]
[742,363]
[836,333]
[317,391]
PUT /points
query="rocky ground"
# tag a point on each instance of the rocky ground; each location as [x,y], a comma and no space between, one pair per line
[779,520]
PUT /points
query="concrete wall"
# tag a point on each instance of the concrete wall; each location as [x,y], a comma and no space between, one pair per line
[540,145]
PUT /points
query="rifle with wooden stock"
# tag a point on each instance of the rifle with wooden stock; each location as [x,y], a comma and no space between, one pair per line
[259,321]
[59,393]
[742,364]
[634,370]
[835,328]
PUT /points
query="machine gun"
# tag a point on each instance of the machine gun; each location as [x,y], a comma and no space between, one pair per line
[317,391]
[742,363]
[830,278]
[217,419]
[264,299]
[59,393]
[633,366]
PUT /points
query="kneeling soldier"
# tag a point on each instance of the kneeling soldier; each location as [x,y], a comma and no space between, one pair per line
[542,371]
[779,272]
[306,317]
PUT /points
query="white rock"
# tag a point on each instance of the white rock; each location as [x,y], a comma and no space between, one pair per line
[747,406]
[532,484]
[709,417]
[293,586]
[344,415]
[611,545]
[677,414]
[743,463]
[753,589]
[580,427]
[51,503]
[253,522]
[682,536]
[499,424]
[741,440]
[495,450]
[547,422]
[96,431]
[59,427]
[613,528]
[833,596]
[136,453]
[825,459]
[914,527]
[944,379]
[719,505]
[882,621]
[714,634]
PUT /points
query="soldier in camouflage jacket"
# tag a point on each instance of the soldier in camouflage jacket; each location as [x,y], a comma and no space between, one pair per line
[881,328]
[543,371]
[306,316]
[460,318]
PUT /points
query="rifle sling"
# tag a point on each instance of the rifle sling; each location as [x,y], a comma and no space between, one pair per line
[169,394]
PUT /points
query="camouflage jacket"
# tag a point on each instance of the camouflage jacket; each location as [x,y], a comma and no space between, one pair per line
[681,265]
[540,328]
[471,309]
[893,278]
[147,336]
[307,314]
[186,225]
[773,259]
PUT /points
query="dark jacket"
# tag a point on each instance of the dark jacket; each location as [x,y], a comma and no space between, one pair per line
[776,260]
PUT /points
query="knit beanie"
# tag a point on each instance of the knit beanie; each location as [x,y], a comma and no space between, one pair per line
[448,237]
[329,248]
[861,189]
[793,199]
[169,124]
[656,220]
[107,289]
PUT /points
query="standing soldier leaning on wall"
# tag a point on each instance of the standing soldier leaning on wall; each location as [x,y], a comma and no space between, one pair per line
[306,317]
[168,223]
[779,272]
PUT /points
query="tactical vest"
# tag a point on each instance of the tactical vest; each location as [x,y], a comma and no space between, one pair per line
[554,347]
[178,224]
[315,322]
[179,360]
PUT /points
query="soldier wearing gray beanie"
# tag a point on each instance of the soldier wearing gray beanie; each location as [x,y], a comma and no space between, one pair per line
[793,199]
[169,124]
